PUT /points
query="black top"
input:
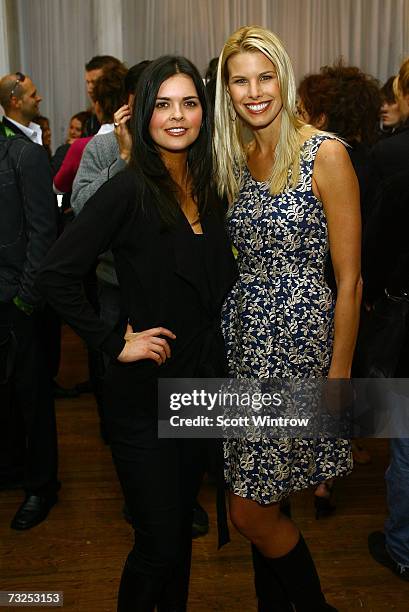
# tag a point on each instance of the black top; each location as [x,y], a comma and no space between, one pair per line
[368,179]
[160,273]
[391,155]
[27,219]
[58,157]
[385,253]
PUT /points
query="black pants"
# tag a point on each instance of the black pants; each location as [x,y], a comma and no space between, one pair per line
[26,402]
[160,479]
[51,336]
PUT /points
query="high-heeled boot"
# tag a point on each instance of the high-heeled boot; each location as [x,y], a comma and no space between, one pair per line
[298,575]
[271,595]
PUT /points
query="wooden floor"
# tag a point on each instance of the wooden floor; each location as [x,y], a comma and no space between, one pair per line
[82,545]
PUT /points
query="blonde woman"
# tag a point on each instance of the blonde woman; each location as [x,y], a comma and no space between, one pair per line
[293,198]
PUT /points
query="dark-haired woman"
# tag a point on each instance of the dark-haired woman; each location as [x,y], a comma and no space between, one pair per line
[75,130]
[44,124]
[174,264]
[346,101]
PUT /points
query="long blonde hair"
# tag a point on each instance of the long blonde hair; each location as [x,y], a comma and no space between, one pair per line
[229,146]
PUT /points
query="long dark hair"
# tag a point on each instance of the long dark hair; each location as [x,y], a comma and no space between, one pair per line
[146,160]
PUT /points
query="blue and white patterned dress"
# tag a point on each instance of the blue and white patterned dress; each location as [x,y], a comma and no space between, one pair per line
[278,322]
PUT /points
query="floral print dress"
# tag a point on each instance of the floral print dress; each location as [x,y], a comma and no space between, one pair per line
[278,323]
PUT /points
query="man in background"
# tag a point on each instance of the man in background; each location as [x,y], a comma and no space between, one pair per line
[20,100]
[94,69]
[27,230]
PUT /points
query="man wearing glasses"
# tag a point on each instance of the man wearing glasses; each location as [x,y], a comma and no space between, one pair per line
[27,231]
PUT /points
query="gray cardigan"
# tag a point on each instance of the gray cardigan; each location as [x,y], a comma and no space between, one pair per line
[99,163]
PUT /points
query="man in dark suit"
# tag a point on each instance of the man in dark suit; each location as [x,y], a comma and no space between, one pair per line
[27,230]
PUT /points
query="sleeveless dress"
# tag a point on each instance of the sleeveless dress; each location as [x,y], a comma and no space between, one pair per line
[278,323]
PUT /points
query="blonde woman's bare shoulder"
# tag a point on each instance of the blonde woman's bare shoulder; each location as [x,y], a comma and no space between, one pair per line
[333,167]
[332,150]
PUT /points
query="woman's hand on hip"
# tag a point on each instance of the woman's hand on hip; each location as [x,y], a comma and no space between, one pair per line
[146,345]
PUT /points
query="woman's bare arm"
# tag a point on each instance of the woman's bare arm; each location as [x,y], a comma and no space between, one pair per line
[336,185]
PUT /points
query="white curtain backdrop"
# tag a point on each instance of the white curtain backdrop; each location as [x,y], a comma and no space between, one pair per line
[4,43]
[369,33]
[52,39]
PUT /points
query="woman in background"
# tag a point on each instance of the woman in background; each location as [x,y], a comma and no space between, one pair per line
[347,102]
[75,130]
[44,124]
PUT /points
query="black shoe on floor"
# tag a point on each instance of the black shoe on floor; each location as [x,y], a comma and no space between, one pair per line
[200,523]
[64,392]
[377,550]
[32,511]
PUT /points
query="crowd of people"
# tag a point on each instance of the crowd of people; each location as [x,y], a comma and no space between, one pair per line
[161,177]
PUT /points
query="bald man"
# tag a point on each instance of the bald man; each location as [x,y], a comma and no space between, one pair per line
[20,100]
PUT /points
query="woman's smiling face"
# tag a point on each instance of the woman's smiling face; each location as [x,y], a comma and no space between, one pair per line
[254,88]
[177,116]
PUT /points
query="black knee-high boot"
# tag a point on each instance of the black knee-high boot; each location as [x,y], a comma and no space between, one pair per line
[296,572]
[271,595]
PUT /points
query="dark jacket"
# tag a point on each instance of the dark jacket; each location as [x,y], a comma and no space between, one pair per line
[27,215]
[391,155]
[368,179]
[385,253]
[167,277]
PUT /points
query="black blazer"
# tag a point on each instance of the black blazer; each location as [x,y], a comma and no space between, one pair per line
[170,278]
[28,223]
